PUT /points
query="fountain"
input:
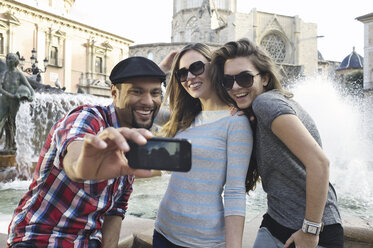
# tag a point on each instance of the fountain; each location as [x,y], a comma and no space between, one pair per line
[34,120]
[345,125]
[344,122]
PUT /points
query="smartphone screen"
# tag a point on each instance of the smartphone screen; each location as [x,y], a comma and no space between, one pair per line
[161,154]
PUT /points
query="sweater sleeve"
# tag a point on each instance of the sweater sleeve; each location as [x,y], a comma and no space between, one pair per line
[239,148]
[269,105]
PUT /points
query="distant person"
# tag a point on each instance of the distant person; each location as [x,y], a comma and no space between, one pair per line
[82,182]
[14,88]
[204,207]
[294,170]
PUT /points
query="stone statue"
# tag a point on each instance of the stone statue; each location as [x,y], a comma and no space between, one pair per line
[14,88]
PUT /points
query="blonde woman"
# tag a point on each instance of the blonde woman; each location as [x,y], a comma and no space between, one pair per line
[206,206]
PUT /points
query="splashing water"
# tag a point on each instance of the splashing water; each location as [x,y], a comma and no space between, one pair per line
[345,125]
[34,121]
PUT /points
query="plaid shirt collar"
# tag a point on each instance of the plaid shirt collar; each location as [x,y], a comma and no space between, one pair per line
[113,116]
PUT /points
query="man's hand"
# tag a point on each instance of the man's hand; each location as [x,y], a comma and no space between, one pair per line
[302,240]
[102,156]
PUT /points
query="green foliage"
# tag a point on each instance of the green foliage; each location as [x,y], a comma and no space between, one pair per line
[354,82]
[355,78]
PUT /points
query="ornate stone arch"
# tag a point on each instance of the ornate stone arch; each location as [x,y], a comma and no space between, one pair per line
[176,32]
[190,28]
[277,45]
[150,54]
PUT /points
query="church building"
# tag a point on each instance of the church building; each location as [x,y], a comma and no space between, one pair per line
[290,41]
[78,55]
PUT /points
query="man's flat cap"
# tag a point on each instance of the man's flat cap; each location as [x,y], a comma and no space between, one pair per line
[134,67]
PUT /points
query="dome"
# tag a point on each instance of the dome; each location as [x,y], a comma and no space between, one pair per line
[352,61]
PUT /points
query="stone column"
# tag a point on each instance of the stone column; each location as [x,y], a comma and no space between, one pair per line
[41,43]
[68,65]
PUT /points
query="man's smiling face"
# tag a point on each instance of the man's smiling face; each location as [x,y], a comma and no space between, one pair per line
[137,101]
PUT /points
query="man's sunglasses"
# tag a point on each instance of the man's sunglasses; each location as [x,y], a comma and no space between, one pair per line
[243,79]
[196,68]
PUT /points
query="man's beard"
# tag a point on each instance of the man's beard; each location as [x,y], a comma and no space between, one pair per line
[135,124]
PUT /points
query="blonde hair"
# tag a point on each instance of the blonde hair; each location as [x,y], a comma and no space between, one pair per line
[183,107]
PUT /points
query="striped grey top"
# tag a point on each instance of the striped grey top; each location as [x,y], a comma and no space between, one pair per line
[192,211]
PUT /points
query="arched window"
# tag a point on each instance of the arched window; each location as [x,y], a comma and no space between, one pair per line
[150,55]
[190,28]
[275,46]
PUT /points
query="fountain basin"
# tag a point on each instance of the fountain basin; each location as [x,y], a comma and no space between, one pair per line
[7,160]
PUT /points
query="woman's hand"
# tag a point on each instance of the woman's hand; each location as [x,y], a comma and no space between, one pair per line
[166,63]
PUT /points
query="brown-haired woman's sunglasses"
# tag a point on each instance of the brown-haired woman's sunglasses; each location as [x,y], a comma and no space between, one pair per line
[243,79]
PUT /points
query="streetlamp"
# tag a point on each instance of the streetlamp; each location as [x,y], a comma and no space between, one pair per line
[34,69]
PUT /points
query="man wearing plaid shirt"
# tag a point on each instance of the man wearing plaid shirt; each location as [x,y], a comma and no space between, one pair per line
[82,182]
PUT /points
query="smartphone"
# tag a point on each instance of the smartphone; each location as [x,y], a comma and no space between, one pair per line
[169,154]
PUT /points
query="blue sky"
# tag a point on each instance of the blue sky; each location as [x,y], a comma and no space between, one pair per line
[149,21]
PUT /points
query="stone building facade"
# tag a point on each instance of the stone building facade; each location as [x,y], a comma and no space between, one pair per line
[289,40]
[368,50]
[327,68]
[80,56]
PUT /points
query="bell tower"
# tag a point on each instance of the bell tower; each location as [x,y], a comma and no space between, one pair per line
[201,20]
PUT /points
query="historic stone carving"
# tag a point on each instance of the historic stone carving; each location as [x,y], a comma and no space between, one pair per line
[14,88]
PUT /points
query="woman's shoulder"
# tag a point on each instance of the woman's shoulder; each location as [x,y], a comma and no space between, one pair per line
[233,117]
[227,120]
[237,121]
[268,100]
[269,95]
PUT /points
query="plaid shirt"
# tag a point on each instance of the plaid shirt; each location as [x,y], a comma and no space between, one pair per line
[57,212]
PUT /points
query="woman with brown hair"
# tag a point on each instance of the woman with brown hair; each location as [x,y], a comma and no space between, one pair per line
[294,170]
